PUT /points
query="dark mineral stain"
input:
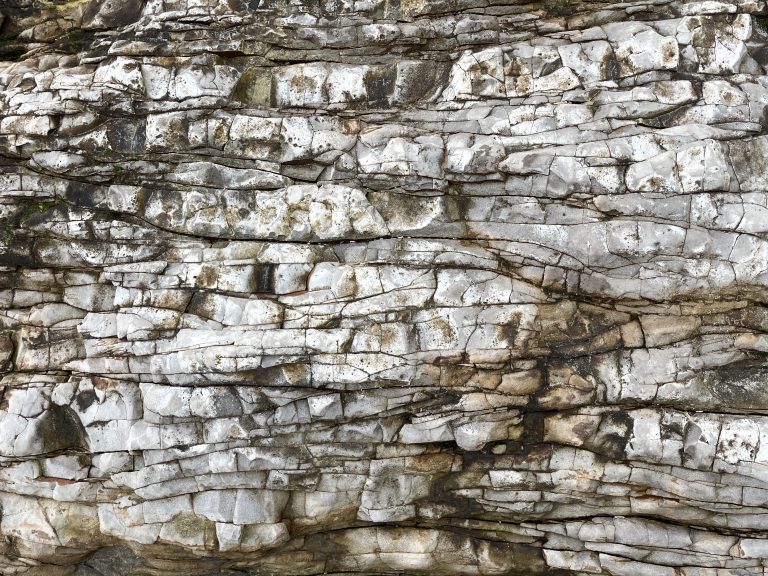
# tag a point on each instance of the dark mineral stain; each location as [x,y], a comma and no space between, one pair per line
[533,428]
[75,41]
[561,8]
[208,277]
[245,5]
[734,386]
[426,79]
[254,87]
[613,434]
[380,85]
[112,13]
[264,278]
[111,561]
[126,136]
[609,67]
[85,399]
[83,194]
[61,429]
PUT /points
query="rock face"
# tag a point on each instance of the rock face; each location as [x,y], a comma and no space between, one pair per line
[465,287]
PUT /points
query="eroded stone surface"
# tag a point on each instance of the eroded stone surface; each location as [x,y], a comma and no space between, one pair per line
[383,287]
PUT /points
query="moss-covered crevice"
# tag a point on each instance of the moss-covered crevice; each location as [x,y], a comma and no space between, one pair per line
[561,8]
[75,41]
[27,211]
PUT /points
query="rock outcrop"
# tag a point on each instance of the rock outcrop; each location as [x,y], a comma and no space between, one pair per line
[454,287]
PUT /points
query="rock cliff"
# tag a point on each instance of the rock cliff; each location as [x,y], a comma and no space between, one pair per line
[450,287]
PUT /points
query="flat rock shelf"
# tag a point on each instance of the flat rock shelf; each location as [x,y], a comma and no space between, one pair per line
[383,287]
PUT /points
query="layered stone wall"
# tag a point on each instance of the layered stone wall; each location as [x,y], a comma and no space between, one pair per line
[450,287]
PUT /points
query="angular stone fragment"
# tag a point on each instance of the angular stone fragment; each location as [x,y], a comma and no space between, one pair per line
[639,48]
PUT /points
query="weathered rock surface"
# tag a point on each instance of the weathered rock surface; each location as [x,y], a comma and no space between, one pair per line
[383,286]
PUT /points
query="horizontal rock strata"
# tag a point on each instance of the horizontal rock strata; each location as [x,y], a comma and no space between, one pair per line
[458,287]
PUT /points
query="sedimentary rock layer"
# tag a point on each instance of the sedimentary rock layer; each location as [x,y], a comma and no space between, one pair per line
[383,286]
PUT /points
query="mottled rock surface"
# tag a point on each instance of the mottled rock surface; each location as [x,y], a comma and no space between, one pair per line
[452,287]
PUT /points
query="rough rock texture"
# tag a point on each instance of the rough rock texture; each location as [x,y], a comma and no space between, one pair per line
[383,286]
